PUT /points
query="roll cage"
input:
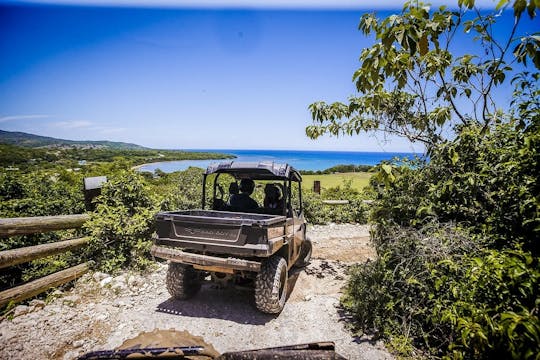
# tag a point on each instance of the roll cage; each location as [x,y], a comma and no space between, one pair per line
[262,171]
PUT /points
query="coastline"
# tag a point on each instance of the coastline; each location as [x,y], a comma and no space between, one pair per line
[137,167]
[301,160]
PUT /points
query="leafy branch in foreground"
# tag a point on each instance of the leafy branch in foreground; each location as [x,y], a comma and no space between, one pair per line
[411,84]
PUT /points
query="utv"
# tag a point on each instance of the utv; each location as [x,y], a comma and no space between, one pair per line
[233,243]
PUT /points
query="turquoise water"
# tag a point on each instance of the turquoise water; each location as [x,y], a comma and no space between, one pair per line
[301,160]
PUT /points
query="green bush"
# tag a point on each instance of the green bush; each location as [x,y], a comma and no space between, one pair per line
[487,182]
[436,290]
[317,212]
[40,193]
[122,224]
[457,269]
[490,302]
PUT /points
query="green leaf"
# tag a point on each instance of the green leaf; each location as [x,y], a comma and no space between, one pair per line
[500,4]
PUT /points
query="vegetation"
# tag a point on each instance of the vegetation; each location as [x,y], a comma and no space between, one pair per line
[122,224]
[31,140]
[75,157]
[457,273]
[358,180]
[339,169]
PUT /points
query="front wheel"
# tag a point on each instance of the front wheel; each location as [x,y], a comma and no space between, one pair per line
[183,281]
[271,285]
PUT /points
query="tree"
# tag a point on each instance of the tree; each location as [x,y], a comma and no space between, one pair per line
[410,84]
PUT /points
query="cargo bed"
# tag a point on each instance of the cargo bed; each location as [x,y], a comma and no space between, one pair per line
[217,232]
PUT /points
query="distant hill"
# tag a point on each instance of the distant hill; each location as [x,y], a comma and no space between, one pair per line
[31,140]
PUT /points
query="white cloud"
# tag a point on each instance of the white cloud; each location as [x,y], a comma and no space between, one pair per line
[75,124]
[263,4]
[4,119]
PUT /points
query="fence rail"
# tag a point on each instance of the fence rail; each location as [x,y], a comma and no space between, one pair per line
[40,224]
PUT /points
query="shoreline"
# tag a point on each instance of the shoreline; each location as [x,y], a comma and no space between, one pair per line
[137,167]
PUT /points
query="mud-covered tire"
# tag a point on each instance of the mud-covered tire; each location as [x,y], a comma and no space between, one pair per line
[183,281]
[271,285]
[305,253]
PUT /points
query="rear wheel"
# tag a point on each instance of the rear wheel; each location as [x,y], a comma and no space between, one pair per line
[271,285]
[305,253]
[183,281]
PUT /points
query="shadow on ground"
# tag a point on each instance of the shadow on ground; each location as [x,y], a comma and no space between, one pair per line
[229,303]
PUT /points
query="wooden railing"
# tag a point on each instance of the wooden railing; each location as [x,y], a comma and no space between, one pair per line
[22,226]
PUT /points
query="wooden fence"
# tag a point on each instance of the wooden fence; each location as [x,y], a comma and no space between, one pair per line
[22,226]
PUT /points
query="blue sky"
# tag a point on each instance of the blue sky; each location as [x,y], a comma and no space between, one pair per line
[233,75]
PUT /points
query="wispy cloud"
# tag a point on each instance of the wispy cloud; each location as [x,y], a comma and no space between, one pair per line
[4,119]
[263,4]
[107,130]
[74,124]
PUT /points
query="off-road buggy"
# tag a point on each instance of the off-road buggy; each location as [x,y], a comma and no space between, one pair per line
[233,245]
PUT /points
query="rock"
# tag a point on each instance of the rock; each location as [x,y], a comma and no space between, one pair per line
[21,310]
[78,343]
[102,317]
[98,276]
[135,281]
[106,281]
[307,298]
[121,278]
[70,300]
[118,287]
[36,303]
[71,355]
[57,293]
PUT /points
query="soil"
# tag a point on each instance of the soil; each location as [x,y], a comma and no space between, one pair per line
[102,312]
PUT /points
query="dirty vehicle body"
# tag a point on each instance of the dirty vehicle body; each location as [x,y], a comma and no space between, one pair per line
[232,245]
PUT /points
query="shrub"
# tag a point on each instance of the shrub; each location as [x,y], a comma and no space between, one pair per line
[122,225]
[436,290]
[457,272]
[317,212]
[487,182]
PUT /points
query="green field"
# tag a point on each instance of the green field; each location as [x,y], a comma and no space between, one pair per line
[359,180]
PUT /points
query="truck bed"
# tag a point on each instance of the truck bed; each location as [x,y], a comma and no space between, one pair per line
[221,232]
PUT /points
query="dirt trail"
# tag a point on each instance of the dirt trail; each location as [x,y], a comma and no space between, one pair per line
[101,312]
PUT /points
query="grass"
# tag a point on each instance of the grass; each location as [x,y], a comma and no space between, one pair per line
[359,180]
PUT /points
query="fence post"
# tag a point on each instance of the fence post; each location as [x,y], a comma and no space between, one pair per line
[317,187]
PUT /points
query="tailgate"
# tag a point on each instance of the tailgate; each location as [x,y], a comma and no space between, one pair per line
[213,230]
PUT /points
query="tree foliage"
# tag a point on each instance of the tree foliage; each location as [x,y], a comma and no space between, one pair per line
[411,84]
[457,234]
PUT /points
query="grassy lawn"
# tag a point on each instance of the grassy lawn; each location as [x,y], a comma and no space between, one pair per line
[359,180]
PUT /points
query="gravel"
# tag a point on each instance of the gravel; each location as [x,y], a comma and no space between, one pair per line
[101,311]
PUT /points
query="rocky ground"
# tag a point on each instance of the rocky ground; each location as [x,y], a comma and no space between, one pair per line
[101,312]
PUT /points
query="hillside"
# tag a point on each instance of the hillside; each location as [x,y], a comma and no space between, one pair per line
[31,140]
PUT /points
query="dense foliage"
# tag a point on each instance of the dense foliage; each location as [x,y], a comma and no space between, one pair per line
[339,169]
[317,212]
[37,194]
[77,157]
[415,81]
[457,274]
[121,226]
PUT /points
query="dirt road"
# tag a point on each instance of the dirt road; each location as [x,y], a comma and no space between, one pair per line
[101,311]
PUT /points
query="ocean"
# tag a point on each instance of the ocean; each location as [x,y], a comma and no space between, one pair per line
[301,160]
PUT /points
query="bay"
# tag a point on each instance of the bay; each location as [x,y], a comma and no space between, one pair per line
[299,159]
